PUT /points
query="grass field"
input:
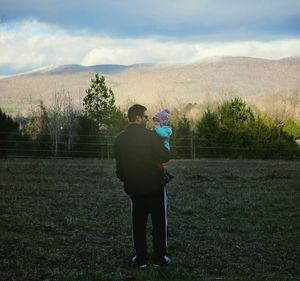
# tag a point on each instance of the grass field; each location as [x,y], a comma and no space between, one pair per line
[228,220]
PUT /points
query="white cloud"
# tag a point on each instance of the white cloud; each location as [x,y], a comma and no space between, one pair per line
[31,44]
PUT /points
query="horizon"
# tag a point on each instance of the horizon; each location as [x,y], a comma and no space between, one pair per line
[202,60]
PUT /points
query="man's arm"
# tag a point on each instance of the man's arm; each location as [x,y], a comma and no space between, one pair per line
[119,166]
[162,154]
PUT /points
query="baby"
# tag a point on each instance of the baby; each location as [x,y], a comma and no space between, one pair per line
[161,127]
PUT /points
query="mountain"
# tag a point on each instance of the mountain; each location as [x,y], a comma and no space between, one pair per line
[76,68]
[207,80]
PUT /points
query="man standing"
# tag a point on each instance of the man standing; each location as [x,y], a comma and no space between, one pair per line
[138,152]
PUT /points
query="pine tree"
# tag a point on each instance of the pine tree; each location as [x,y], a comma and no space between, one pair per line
[183,146]
[9,135]
[99,103]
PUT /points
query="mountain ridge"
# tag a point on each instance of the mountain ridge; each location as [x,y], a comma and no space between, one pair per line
[75,68]
[206,80]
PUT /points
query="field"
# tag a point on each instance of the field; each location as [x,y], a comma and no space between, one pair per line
[63,219]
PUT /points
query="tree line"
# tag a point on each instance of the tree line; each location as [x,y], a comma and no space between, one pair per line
[231,130]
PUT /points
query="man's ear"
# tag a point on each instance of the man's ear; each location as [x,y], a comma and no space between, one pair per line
[138,119]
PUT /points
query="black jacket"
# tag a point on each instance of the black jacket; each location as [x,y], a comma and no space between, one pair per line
[138,152]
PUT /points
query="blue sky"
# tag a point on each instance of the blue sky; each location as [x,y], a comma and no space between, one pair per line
[36,33]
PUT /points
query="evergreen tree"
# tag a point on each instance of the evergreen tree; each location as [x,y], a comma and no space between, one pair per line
[292,128]
[233,131]
[182,146]
[235,113]
[100,110]
[207,132]
[99,103]
[119,121]
[10,136]
[88,139]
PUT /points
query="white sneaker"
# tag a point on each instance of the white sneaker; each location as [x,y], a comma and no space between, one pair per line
[136,263]
[162,262]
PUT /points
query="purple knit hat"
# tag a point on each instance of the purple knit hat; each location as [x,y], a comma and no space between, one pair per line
[163,116]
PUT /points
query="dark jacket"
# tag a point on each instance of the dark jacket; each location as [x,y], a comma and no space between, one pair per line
[138,152]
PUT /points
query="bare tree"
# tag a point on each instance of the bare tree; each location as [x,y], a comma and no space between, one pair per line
[283,106]
[70,114]
[55,120]
[293,101]
[37,124]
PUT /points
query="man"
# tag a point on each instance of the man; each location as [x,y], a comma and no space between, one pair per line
[138,152]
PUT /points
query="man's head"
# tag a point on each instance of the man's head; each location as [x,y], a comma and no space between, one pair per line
[138,114]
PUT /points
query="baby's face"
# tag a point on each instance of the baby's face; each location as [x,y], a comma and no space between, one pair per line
[156,122]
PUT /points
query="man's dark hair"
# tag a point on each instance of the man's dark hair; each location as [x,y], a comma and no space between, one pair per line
[136,110]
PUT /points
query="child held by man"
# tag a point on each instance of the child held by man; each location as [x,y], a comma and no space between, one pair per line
[162,128]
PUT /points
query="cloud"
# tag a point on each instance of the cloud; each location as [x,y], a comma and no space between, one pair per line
[31,44]
[207,19]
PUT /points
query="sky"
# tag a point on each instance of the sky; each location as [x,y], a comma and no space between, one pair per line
[36,34]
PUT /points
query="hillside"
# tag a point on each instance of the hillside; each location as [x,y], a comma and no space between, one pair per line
[208,80]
